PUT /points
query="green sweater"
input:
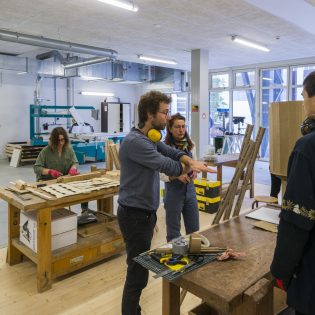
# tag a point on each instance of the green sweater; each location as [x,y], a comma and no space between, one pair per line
[48,158]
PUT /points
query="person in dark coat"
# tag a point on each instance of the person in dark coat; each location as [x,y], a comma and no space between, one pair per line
[293,263]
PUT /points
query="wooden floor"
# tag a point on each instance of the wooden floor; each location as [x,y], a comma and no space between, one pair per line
[95,290]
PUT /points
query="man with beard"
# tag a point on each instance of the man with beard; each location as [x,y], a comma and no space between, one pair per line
[142,157]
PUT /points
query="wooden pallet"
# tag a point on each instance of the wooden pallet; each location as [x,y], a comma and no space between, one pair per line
[29,153]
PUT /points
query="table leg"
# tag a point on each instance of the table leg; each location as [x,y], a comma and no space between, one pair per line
[170,298]
[106,205]
[14,256]
[251,191]
[258,299]
[219,177]
[43,249]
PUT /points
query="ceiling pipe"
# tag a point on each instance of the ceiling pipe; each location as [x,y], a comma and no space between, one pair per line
[87,62]
[55,44]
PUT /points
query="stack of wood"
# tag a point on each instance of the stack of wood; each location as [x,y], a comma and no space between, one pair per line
[21,152]
[111,158]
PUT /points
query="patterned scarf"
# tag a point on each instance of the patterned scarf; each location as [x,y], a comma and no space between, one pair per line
[181,144]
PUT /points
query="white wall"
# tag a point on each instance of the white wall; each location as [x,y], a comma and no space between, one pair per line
[17,93]
[126,92]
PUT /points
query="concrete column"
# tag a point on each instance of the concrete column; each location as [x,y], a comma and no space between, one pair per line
[200,99]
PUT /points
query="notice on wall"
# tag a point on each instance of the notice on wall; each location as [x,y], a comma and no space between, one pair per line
[195,108]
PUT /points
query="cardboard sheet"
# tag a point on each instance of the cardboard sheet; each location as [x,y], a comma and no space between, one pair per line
[265,214]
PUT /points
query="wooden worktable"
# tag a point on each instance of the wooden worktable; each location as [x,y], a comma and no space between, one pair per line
[223,284]
[64,260]
[229,160]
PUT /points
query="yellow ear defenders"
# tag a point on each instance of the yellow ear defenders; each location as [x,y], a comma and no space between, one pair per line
[154,135]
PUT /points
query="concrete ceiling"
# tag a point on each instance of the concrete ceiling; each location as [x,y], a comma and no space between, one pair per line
[167,28]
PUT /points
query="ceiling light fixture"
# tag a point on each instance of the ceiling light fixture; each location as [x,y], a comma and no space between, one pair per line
[97,93]
[249,43]
[169,62]
[122,4]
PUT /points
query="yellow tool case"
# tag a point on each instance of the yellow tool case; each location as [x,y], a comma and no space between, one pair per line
[206,188]
[209,205]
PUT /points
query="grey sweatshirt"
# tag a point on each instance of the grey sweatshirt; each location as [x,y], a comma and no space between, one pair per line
[141,161]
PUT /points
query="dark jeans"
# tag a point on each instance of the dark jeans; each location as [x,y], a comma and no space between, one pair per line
[180,200]
[275,185]
[84,205]
[137,229]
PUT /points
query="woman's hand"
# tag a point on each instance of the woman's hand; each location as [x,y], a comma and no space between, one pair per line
[198,166]
[54,173]
[73,171]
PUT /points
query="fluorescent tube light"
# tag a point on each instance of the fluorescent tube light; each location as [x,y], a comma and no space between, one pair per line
[267,79]
[169,62]
[122,4]
[249,43]
[96,93]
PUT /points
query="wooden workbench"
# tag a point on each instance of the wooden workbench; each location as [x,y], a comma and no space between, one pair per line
[229,160]
[229,286]
[64,260]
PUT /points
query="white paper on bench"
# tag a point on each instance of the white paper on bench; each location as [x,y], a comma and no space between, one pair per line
[265,214]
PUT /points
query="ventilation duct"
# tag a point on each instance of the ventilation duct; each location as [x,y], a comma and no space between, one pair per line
[56,44]
[51,54]
[87,62]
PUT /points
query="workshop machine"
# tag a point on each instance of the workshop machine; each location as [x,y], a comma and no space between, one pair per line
[87,145]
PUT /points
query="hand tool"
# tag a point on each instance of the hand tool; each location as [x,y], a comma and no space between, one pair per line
[173,260]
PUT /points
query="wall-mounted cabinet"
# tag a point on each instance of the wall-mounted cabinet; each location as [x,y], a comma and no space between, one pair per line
[115,117]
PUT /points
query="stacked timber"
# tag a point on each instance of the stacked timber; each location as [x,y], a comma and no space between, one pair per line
[27,153]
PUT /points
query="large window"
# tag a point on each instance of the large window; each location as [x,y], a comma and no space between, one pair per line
[243,100]
[219,106]
[273,89]
[298,75]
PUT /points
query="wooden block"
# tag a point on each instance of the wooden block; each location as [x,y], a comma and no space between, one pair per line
[16,157]
[20,184]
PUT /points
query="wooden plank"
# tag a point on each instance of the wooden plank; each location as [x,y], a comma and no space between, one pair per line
[80,177]
[16,157]
[114,153]
[25,250]
[40,194]
[108,160]
[44,250]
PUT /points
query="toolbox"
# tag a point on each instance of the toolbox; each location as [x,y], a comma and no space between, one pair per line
[209,189]
[209,205]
